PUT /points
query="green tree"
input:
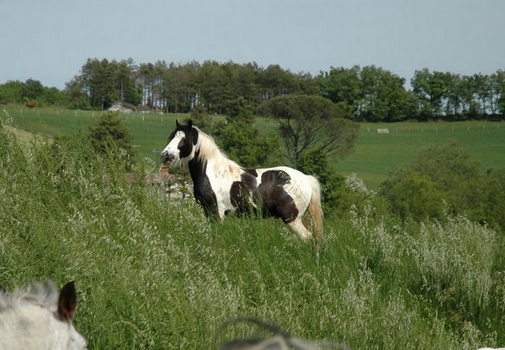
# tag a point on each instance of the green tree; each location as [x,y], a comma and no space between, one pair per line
[241,141]
[498,93]
[180,84]
[238,141]
[53,96]
[214,86]
[12,91]
[239,110]
[201,117]
[342,86]
[308,121]
[275,81]
[106,82]
[244,82]
[384,97]
[32,89]
[77,97]
[433,90]
[109,132]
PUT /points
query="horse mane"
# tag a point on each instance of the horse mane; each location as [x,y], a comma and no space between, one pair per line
[208,149]
[44,295]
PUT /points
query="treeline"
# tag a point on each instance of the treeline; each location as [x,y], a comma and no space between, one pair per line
[17,92]
[366,93]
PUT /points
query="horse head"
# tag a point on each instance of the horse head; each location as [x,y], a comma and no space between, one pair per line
[180,148]
[40,318]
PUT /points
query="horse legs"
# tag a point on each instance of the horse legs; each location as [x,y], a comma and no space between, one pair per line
[300,229]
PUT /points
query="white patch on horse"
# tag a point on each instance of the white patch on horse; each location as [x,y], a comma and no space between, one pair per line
[172,149]
[221,178]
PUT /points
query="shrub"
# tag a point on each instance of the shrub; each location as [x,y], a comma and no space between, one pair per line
[417,196]
[109,132]
[446,173]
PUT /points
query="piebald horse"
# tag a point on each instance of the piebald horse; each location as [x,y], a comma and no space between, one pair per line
[221,186]
[40,318]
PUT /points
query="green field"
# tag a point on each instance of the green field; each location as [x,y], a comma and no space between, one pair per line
[376,155]
[154,273]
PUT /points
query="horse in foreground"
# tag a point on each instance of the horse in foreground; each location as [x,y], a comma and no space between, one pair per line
[221,186]
[39,318]
[281,340]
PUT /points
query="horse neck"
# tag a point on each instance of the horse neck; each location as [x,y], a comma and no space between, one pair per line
[197,168]
[221,163]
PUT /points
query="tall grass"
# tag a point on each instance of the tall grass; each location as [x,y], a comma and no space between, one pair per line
[153,273]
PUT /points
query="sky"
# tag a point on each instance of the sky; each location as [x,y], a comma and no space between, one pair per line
[51,40]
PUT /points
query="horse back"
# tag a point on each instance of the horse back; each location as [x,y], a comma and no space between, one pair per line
[285,192]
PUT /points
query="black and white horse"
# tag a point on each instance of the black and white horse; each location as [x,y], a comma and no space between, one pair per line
[221,186]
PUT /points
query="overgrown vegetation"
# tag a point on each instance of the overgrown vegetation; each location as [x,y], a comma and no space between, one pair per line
[447,174]
[109,132]
[153,273]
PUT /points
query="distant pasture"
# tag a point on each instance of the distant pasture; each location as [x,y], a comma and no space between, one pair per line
[375,156]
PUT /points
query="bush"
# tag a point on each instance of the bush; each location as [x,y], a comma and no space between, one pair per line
[417,196]
[108,134]
[449,174]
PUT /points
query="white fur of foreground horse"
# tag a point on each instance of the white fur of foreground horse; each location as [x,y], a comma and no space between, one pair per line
[39,318]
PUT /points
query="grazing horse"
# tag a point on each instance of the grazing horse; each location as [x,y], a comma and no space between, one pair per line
[39,318]
[221,186]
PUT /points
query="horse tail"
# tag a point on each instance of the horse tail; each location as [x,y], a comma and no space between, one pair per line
[315,208]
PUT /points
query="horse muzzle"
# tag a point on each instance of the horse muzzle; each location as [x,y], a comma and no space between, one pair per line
[167,157]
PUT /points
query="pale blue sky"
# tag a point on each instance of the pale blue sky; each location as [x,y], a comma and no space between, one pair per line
[50,40]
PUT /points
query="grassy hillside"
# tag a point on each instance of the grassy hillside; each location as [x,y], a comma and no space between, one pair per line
[376,155]
[153,273]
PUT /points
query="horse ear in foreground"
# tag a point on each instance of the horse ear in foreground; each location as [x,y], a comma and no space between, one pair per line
[280,341]
[221,186]
[39,318]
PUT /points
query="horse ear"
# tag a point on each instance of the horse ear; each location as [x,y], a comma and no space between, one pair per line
[67,302]
[190,123]
[177,125]
[194,134]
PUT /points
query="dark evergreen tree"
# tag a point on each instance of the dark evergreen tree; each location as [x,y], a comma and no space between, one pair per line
[109,132]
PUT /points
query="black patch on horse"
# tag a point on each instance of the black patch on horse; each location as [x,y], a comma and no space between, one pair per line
[242,192]
[202,189]
[190,139]
[252,172]
[275,200]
